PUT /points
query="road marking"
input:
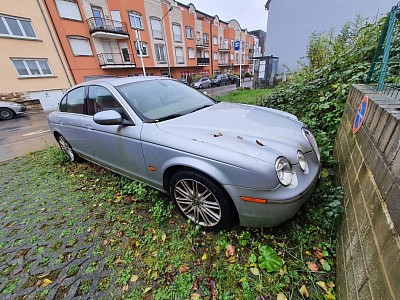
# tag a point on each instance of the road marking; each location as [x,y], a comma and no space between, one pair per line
[36,132]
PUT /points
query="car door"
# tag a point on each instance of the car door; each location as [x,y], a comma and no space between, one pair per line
[71,120]
[115,146]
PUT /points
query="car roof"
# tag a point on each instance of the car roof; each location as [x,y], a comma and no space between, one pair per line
[117,81]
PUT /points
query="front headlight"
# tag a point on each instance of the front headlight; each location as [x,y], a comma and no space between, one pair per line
[302,160]
[313,142]
[283,171]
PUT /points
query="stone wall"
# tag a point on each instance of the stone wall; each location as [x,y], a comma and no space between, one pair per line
[22,98]
[368,257]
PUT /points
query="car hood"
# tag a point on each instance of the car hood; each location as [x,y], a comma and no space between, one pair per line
[258,132]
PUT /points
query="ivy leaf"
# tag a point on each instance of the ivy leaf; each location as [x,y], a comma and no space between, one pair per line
[268,259]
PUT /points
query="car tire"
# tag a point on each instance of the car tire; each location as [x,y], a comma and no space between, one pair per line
[191,190]
[6,113]
[66,148]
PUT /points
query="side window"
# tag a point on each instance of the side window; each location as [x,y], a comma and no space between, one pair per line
[63,104]
[101,99]
[76,101]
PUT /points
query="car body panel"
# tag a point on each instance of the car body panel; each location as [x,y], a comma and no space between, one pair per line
[236,145]
[17,108]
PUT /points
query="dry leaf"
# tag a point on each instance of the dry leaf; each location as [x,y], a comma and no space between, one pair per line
[46,282]
[38,283]
[183,269]
[255,271]
[43,275]
[125,287]
[134,278]
[232,259]
[163,237]
[204,257]
[281,296]
[147,289]
[195,296]
[230,250]
[313,267]
[330,284]
[303,291]
[119,261]
[322,285]
[329,296]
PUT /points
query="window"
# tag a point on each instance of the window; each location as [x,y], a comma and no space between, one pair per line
[80,46]
[215,55]
[136,20]
[32,67]
[232,42]
[16,27]
[198,35]
[189,32]
[206,38]
[215,40]
[74,101]
[160,53]
[100,99]
[68,9]
[191,53]
[144,48]
[179,55]
[206,54]
[176,29]
[156,28]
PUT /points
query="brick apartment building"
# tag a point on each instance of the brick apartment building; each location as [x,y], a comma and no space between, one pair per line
[124,37]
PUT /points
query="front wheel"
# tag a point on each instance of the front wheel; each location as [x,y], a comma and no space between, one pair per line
[201,200]
[66,148]
[6,113]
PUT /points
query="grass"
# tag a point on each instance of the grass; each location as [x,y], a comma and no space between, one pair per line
[254,97]
[153,253]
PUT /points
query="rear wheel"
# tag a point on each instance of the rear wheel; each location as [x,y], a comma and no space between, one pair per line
[66,148]
[201,200]
[6,113]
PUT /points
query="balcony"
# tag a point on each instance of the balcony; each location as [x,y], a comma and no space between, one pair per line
[105,28]
[223,62]
[203,61]
[116,60]
[224,47]
[200,43]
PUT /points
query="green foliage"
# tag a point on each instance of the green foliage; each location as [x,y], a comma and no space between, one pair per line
[268,259]
[254,97]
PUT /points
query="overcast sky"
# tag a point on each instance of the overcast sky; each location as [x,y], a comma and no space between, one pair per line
[249,14]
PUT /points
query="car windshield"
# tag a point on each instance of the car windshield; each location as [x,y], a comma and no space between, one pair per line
[161,99]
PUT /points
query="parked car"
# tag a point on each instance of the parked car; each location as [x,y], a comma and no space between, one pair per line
[219,80]
[233,78]
[220,162]
[203,82]
[9,110]
[183,80]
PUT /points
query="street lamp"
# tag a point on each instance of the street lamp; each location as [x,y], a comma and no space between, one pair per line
[166,42]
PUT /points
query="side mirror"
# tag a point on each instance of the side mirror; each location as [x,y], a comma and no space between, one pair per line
[108,117]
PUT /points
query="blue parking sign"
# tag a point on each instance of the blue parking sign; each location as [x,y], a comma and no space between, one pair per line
[236,45]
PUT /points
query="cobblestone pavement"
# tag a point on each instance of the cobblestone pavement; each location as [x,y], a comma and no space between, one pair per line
[51,244]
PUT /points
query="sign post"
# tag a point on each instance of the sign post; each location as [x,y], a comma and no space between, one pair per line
[238,48]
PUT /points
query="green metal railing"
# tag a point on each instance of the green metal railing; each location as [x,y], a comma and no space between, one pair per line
[384,72]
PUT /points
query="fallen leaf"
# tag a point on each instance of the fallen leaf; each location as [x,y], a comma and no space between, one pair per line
[255,271]
[281,296]
[322,285]
[195,296]
[125,287]
[163,237]
[38,283]
[307,253]
[184,226]
[232,259]
[134,278]
[46,282]
[303,291]
[43,275]
[313,267]
[230,250]
[204,257]
[119,261]
[329,296]
[197,262]
[330,284]
[183,269]
[172,221]
[146,290]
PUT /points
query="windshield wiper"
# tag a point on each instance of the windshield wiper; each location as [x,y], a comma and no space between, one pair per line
[201,107]
[169,117]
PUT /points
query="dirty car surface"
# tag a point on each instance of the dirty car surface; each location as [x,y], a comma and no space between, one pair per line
[221,163]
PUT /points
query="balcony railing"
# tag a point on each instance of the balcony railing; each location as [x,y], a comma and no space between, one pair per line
[201,61]
[116,60]
[202,43]
[107,26]
[223,62]
[224,47]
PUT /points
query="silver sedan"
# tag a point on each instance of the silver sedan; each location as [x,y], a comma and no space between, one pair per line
[9,110]
[221,163]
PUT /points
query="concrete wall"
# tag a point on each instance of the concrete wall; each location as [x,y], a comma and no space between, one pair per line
[368,257]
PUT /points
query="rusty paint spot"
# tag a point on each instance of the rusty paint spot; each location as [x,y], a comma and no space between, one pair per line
[217,134]
[259,143]
[239,137]
[151,168]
